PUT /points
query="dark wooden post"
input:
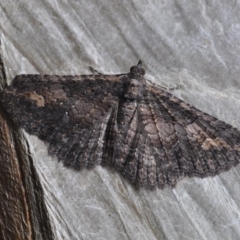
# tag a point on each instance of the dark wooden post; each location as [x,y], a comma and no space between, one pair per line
[23,214]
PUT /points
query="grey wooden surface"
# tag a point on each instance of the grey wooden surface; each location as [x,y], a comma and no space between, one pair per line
[180,42]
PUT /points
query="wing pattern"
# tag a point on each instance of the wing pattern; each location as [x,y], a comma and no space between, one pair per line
[150,136]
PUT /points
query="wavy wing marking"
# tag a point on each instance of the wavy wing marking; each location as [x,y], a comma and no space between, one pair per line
[182,141]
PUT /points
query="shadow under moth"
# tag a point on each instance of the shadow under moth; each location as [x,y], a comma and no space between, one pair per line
[150,136]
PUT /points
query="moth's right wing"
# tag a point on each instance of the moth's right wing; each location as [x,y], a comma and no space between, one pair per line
[75,115]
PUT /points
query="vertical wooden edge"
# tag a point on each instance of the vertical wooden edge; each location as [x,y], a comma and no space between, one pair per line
[23,212]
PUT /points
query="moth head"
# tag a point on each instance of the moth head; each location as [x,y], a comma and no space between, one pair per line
[137,70]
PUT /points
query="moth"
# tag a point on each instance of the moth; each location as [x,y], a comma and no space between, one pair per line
[151,137]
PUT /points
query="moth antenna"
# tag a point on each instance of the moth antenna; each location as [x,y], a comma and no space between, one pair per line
[94,71]
[179,86]
[139,65]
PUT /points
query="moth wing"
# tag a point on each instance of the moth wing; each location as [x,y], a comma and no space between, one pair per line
[173,140]
[75,115]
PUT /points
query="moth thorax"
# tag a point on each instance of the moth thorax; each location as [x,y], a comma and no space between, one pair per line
[133,90]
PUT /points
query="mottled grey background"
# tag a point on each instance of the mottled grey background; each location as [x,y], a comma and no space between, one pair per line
[194,43]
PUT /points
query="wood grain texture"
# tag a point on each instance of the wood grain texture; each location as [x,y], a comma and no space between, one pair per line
[23,212]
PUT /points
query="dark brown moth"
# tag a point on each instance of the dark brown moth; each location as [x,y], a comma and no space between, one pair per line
[150,136]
